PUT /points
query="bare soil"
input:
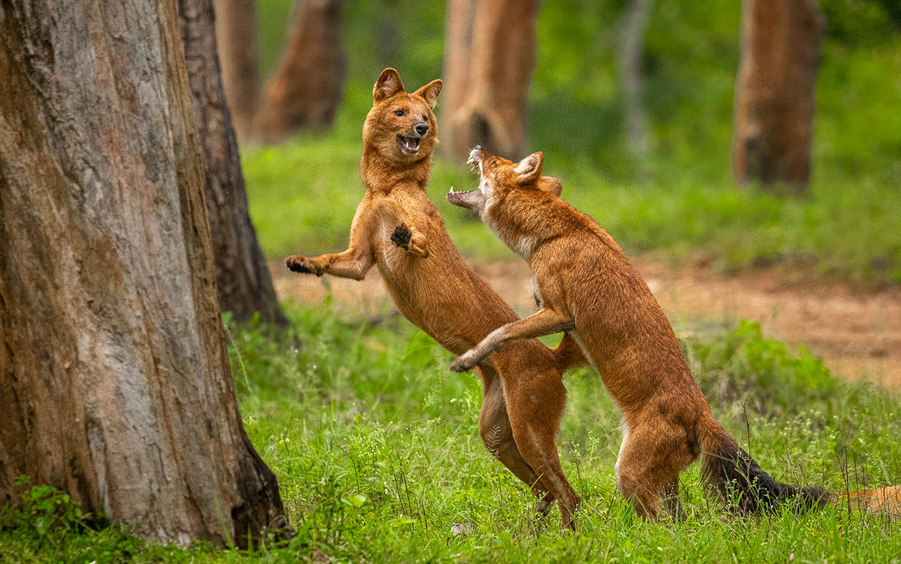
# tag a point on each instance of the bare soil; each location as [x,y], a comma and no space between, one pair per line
[857,330]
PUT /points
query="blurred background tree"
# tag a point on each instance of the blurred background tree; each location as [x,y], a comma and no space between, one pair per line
[239,55]
[304,89]
[488,66]
[631,59]
[774,106]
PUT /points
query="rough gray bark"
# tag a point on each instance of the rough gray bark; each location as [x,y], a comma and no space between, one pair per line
[774,94]
[501,55]
[114,378]
[239,53]
[242,275]
[631,52]
[305,88]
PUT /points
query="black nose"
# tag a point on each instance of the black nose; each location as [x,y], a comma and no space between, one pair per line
[422,128]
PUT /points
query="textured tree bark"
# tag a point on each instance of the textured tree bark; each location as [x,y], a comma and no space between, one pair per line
[774,105]
[114,379]
[305,88]
[239,52]
[501,54]
[631,53]
[242,275]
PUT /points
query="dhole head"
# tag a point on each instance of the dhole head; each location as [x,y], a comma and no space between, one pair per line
[498,177]
[400,126]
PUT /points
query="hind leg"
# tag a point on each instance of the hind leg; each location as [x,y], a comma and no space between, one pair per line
[672,504]
[649,463]
[497,434]
[535,402]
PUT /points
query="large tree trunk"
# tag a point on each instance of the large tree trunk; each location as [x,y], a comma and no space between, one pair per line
[114,379]
[305,87]
[236,31]
[780,53]
[242,275]
[490,108]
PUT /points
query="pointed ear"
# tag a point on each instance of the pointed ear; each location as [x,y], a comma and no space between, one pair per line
[430,92]
[550,185]
[387,85]
[529,169]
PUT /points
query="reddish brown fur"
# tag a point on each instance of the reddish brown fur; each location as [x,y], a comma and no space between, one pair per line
[589,289]
[886,501]
[397,228]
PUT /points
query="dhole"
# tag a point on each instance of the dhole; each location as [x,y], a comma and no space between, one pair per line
[397,228]
[588,288]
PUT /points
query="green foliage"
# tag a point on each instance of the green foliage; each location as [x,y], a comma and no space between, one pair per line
[765,374]
[375,444]
[43,510]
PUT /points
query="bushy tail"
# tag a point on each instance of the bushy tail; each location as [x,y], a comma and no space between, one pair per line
[736,478]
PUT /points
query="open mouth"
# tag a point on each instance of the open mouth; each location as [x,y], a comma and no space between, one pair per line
[409,145]
[460,198]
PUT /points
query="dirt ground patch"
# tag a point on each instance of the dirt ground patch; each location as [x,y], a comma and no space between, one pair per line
[856,330]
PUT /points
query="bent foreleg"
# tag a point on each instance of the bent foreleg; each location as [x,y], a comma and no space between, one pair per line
[543,322]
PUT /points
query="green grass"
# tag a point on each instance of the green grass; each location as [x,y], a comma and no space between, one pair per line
[376,448]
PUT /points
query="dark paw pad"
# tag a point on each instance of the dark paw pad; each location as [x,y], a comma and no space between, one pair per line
[301,265]
[401,236]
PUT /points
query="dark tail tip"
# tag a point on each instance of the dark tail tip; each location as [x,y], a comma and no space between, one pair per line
[740,482]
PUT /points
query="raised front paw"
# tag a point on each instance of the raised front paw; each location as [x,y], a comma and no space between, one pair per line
[303,265]
[402,236]
[465,362]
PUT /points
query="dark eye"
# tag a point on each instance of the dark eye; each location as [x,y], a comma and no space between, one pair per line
[399,113]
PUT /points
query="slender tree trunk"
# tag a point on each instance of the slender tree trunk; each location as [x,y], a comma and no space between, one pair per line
[114,378]
[634,28]
[491,111]
[774,105]
[242,275]
[305,88]
[457,65]
[388,32]
[238,39]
